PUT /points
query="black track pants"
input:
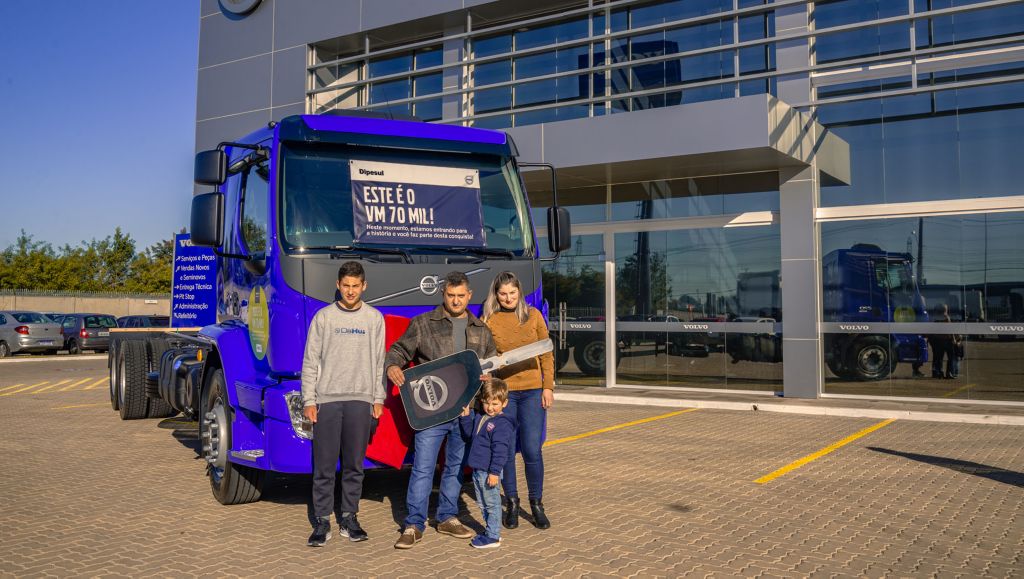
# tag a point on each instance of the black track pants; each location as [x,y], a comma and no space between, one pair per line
[341,429]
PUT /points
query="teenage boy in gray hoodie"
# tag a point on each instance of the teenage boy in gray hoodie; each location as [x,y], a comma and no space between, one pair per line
[342,394]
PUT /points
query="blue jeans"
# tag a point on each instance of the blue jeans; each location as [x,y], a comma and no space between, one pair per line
[531,420]
[489,499]
[428,444]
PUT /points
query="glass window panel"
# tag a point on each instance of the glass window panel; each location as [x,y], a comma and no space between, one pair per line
[647,45]
[948,269]
[657,100]
[598,23]
[620,20]
[535,93]
[619,50]
[695,197]
[756,86]
[492,72]
[427,84]
[585,204]
[552,33]
[706,66]
[869,41]
[493,45]
[394,90]
[975,25]
[495,122]
[389,65]
[709,93]
[492,99]
[429,110]
[699,36]
[426,57]
[839,12]
[551,115]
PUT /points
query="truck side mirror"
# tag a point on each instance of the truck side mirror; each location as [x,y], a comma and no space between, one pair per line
[207,227]
[211,167]
[559,229]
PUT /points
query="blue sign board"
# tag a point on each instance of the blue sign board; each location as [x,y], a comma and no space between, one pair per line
[193,284]
[413,205]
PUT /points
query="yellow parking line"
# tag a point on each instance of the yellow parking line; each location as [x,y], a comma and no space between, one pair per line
[82,405]
[9,387]
[97,383]
[45,388]
[70,386]
[617,427]
[952,393]
[799,463]
[24,388]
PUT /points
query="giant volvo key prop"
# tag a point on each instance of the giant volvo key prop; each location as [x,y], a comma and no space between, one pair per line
[437,391]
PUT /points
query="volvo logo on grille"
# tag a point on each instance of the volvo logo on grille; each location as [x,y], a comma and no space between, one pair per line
[857,328]
[430,284]
[429,392]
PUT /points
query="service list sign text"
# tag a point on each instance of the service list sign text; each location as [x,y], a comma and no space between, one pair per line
[416,205]
[193,285]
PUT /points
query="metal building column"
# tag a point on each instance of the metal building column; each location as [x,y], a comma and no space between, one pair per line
[798,200]
[452,106]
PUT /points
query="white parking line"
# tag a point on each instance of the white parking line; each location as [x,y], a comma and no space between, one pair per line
[54,358]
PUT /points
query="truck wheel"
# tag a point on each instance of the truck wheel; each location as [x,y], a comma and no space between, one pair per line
[5,350]
[839,369]
[158,407]
[113,367]
[131,379]
[871,358]
[232,484]
[73,348]
[590,357]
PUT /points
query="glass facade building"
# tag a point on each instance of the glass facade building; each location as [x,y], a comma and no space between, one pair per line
[809,198]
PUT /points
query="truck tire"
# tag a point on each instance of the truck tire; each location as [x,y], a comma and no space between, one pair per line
[590,357]
[871,358]
[158,407]
[561,357]
[112,367]
[131,379]
[232,484]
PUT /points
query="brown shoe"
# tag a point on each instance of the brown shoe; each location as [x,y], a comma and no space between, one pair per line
[409,537]
[455,528]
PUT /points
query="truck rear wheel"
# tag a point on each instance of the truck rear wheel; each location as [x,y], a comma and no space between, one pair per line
[590,357]
[871,358]
[232,484]
[112,367]
[131,379]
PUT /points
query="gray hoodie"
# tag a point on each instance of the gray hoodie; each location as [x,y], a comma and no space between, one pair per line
[344,356]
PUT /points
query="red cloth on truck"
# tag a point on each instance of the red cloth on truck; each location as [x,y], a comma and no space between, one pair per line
[391,441]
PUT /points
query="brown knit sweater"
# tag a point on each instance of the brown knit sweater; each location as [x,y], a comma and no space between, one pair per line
[509,334]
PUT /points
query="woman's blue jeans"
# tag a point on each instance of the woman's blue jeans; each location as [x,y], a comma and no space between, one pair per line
[524,409]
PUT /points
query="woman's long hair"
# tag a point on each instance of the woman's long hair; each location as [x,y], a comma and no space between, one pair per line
[492,305]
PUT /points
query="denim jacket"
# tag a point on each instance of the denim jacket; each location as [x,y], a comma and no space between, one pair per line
[429,337]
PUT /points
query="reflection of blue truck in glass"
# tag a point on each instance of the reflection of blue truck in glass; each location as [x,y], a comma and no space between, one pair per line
[865,284]
[281,224]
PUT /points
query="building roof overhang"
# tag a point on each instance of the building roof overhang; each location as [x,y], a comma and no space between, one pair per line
[749,134]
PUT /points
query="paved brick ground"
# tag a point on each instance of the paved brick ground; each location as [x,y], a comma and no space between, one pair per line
[87,494]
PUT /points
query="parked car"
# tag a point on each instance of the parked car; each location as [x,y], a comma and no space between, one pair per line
[87,332]
[28,332]
[144,322]
[55,316]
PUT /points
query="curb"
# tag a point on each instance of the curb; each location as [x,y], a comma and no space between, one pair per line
[848,412]
[67,358]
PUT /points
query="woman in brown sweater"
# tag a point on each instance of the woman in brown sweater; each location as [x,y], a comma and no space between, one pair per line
[531,386]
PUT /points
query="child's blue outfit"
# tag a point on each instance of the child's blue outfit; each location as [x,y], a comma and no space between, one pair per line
[489,449]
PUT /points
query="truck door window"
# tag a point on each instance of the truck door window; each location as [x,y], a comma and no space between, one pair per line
[254,208]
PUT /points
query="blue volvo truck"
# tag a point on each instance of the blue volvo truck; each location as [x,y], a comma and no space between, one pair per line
[292,201]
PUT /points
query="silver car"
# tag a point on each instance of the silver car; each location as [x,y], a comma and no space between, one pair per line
[28,332]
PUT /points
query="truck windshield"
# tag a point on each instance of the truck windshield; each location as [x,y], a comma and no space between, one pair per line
[316,206]
[895,277]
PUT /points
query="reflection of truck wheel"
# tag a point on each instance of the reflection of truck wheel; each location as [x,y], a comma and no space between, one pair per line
[232,484]
[871,358]
[131,379]
[113,370]
[590,356]
[839,369]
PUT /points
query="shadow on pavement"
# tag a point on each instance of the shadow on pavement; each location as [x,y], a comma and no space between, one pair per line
[997,474]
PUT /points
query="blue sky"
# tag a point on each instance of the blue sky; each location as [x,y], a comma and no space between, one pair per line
[98,102]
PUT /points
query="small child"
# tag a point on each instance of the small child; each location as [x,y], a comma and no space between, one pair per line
[492,434]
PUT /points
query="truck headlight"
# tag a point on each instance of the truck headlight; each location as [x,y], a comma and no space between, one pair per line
[302,427]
